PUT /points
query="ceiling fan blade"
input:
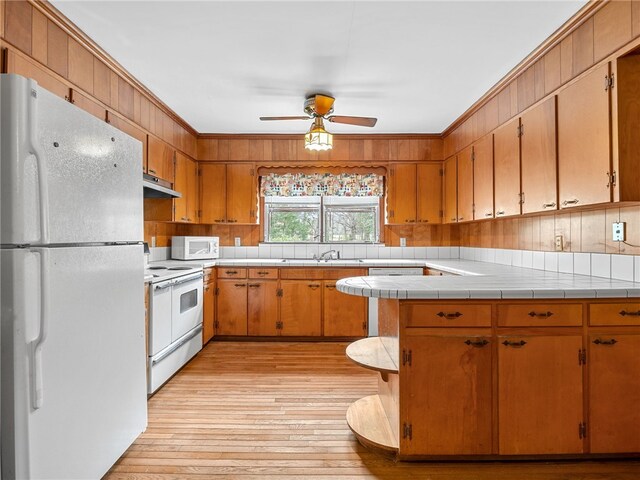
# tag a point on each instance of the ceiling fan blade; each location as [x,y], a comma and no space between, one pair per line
[360,121]
[324,104]
[285,118]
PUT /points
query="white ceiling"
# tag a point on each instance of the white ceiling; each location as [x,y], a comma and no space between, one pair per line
[415,65]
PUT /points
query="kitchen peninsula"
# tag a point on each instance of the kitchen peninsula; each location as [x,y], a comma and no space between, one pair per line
[499,362]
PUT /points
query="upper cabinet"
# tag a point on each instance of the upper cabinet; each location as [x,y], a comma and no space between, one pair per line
[185,208]
[483,178]
[539,161]
[507,169]
[465,185]
[429,192]
[160,159]
[228,193]
[401,193]
[584,148]
[450,187]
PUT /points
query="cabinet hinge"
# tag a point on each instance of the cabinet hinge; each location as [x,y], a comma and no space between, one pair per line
[406,357]
[252,172]
[582,430]
[364,325]
[216,324]
[441,213]
[441,172]
[279,292]
[216,291]
[521,195]
[520,130]
[279,325]
[612,179]
[608,82]
[582,356]
[407,431]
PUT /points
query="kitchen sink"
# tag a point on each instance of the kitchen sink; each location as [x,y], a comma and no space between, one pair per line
[307,261]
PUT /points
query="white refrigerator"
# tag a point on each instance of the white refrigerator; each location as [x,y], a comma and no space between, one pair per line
[72,363]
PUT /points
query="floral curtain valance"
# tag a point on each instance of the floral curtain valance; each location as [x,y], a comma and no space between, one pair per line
[320,184]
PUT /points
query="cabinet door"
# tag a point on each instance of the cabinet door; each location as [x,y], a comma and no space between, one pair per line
[192,189]
[583,141]
[208,312]
[539,158]
[614,393]
[429,192]
[27,68]
[465,185]
[300,307]
[181,185]
[213,202]
[263,307]
[446,395]
[451,190]
[232,307]
[507,169]
[89,106]
[401,193]
[343,315]
[483,178]
[540,395]
[242,193]
[160,159]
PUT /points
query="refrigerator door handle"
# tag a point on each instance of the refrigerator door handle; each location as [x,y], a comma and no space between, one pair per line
[36,150]
[35,346]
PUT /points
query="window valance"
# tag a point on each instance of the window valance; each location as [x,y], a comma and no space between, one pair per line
[321,184]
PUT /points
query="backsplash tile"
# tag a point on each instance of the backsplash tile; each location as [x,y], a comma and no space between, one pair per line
[601,265]
[582,263]
[622,267]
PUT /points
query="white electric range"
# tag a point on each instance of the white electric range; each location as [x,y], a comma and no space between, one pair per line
[175,321]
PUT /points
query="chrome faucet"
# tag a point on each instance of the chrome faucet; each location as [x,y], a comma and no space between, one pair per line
[328,255]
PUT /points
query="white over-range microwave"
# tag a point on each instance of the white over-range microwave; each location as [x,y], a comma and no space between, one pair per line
[195,248]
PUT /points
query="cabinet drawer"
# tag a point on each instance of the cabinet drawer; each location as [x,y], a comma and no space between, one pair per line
[263,273]
[231,272]
[338,273]
[614,314]
[447,315]
[540,315]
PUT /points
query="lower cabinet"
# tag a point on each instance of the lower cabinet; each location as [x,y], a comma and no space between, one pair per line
[232,307]
[208,310]
[614,392]
[446,394]
[342,315]
[300,308]
[262,305]
[540,394]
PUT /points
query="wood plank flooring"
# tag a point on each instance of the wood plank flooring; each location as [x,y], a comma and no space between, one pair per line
[268,411]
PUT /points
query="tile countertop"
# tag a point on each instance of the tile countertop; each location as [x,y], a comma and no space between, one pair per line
[298,262]
[488,281]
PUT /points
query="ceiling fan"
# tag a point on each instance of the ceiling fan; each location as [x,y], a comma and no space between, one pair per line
[318,108]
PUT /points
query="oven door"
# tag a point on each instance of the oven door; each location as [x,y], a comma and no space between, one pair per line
[186,305]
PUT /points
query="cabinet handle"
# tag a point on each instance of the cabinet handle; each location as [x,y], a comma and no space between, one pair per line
[262,272]
[152,171]
[460,219]
[254,285]
[453,219]
[624,313]
[206,289]
[313,286]
[501,212]
[549,205]
[449,316]
[570,202]
[507,343]
[329,286]
[477,343]
[239,284]
[231,272]
[541,314]
[490,214]
[597,341]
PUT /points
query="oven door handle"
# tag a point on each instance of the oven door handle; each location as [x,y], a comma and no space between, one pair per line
[196,331]
[190,279]
[162,287]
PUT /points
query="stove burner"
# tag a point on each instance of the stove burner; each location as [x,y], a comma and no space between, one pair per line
[180,268]
[157,268]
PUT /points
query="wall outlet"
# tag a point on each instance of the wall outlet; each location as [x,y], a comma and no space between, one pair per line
[559,240]
[153,242]
[619,231]
[237,242]
[403,242]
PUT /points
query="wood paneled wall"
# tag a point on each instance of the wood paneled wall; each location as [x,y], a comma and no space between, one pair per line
[40,32]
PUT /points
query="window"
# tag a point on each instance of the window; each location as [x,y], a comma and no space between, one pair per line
[330,219]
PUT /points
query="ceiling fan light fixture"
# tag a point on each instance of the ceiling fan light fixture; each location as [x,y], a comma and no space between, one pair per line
[317,138]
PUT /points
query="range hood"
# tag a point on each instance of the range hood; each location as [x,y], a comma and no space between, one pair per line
[157,188]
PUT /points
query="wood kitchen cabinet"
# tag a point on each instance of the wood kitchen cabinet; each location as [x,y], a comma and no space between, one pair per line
[208,308]
[342,315]
[538,142]
[228,193]
[401,193]
[540,394]
[465,185]
[483,178]
[429,192]
[614,391]
[584,158]
[160,159]
[231,307]
[301,308]
[506,144]
[94,108]
[262,305]
[450,190]
[186,182]
[446,395]
[22,65]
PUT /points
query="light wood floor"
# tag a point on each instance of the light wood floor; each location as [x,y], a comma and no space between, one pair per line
[277,411]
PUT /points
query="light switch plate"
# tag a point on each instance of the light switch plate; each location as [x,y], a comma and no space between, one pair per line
[619,231]
[559,241]
[403,242]
[237,241]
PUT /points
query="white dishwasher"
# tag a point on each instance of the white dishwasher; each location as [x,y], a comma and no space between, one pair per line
[373,302]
